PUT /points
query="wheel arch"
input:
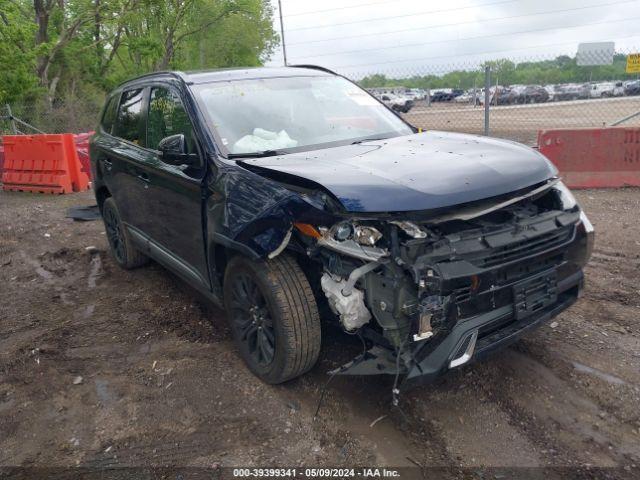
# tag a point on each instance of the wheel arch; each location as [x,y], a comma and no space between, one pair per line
[102,193]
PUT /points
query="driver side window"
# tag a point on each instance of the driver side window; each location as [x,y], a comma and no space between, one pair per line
[167,117]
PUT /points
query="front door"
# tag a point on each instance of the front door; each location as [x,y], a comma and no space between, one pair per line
[174,217]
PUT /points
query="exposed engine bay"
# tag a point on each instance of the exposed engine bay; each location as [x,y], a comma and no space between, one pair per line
[404,285]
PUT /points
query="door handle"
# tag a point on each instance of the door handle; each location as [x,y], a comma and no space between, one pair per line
[108,164]
[145,179]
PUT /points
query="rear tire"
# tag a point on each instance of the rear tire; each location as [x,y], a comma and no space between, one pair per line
[273,315]
[122,249]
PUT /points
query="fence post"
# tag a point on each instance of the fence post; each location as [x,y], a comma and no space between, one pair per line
[487,99]
[14,129]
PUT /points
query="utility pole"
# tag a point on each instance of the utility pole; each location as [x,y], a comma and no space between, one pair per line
[284,46]
[487,98]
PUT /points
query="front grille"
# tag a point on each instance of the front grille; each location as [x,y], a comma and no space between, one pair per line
[462,294]
[524,248]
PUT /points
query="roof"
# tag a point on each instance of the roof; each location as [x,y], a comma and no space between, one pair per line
[231,74]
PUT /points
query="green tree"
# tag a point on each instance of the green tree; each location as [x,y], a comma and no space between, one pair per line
[54,49]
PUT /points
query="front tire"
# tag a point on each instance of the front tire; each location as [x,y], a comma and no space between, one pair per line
[122,249]
[273,315]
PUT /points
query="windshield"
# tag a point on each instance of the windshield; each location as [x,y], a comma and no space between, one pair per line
[300,113]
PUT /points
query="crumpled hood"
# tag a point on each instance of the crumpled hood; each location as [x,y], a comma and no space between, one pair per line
[416,172]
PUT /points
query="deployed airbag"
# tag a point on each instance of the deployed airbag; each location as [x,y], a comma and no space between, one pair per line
[262,140]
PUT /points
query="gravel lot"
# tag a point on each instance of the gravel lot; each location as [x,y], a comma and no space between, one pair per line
[522,122]
[101,367]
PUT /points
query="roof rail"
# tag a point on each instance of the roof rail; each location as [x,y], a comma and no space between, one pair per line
[176,74]
[314,67]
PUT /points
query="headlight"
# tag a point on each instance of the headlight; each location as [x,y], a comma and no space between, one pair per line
[343,231]
[567,199]
[362,234]
[366,235]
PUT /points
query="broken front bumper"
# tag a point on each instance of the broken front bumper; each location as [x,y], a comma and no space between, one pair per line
[491,318]
[469,340]
[474,338]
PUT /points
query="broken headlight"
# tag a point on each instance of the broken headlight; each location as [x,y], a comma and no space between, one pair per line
[411,229]
[342,231]
[362,234]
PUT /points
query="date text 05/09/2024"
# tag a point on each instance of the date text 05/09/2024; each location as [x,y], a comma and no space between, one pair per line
[315,473]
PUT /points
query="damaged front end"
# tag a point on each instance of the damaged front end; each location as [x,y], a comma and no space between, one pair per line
[433,293]
[428,291]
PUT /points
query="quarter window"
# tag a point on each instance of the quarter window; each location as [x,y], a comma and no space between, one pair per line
[109,116]
[167,117]
[127,124]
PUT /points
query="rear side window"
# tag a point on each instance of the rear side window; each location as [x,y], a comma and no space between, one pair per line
[128,122]
[167,117]
[109,115]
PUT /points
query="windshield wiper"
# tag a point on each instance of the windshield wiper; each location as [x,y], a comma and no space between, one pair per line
[372,139]
[264,153]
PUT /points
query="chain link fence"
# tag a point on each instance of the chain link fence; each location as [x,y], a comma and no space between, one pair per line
[509,98]
[71,116]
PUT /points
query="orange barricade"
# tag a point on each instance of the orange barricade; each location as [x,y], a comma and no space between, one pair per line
[594,157]
[42,163]
[82,147]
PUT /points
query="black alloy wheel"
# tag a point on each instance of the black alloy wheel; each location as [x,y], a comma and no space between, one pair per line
[123,250]
[273,316]
[252,320]
[114,234]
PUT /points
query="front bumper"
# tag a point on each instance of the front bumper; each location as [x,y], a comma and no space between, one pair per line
[522,295]
[474,338]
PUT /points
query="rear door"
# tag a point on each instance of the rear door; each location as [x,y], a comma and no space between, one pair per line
[173,209]
[124,156]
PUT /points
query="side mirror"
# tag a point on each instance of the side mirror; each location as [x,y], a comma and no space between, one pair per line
[173,150]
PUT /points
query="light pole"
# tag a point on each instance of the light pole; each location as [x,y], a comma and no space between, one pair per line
[284,47]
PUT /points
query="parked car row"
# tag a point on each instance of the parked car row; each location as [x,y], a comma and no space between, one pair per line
[517,94]
[403,99]
[577,91]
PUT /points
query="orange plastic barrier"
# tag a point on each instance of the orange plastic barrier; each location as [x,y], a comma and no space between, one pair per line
[42,163]
[594,157]
[82,147]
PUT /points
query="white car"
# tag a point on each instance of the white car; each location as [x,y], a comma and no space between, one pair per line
[396,102]
[419,93]
[607,89]
[467,97]
[618,89]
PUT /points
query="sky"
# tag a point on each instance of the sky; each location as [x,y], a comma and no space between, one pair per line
[406,37]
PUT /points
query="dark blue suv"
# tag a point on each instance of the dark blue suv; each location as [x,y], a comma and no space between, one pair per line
[284,192]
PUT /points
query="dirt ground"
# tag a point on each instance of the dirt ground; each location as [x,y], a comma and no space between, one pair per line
[101,367]
[522,122]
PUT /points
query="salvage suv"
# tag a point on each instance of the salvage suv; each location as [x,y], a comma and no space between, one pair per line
[281,193]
